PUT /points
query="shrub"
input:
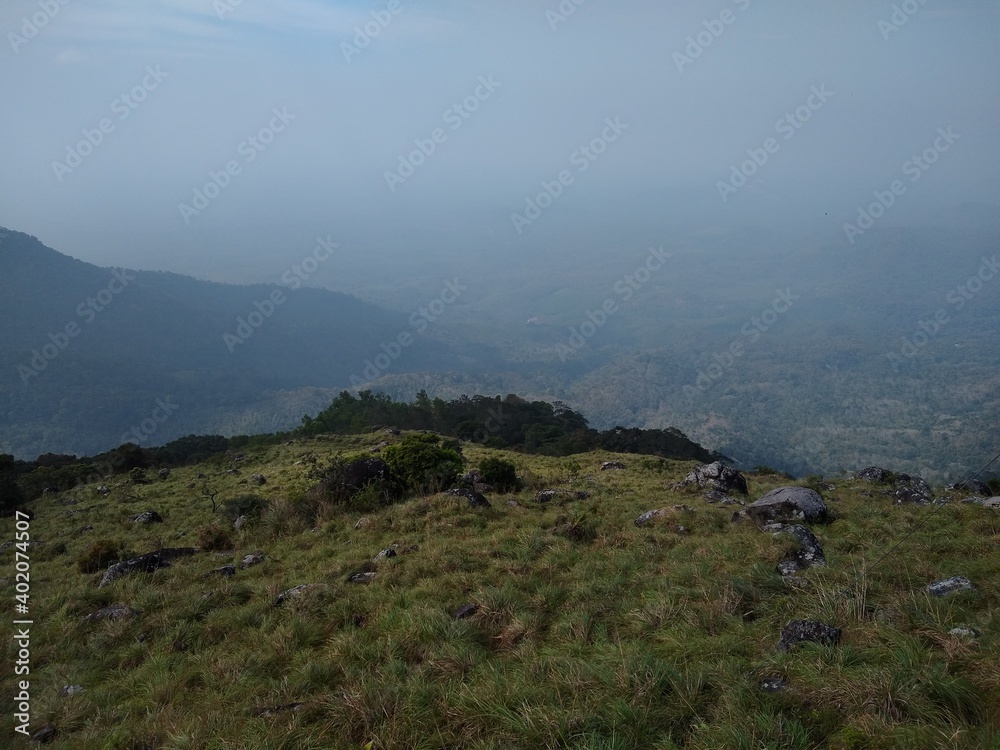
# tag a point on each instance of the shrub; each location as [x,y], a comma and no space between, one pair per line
[100,554]
[214,538]
[500,473]
[424,463]
[249,505]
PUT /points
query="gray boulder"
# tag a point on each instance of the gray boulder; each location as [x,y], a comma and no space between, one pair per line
[904,488]
[475,499]
[148,516]
[807,631]
[718,477]
[649,516]
[254,558]
[950,586]
[612,465]
[971,487]
[295,592]
[788,504]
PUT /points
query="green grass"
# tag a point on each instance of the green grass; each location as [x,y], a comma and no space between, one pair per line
[619,637]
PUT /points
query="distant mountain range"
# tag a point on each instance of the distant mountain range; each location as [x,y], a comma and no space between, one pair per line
[93,357]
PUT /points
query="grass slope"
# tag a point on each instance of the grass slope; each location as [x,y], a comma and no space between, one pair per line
[603,635]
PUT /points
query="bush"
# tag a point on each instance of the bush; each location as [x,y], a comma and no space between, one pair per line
[100,554]
[214,538]
[249,505]
[500,473]
[424,463]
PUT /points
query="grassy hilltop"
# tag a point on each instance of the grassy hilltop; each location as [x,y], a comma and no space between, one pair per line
[587,632]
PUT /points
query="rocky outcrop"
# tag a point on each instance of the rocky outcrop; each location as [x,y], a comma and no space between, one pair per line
[788,505]
[903,488]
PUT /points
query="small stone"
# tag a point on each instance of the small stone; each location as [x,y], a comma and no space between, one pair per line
[226,571]
[466,610]
[258,479]
[44,735]
[363,577]
[649,516]
[163,473]
[385,554]
[964,632]
[68,690]
[113,612]
[772,685]
[149,516]
[807,631]
[362,523]
[294,592]
[950,586]
[266,712]
[254,558]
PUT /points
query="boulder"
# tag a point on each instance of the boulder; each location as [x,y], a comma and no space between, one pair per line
[809,553]
[807,631]
[971,487]
[904,488]
[965,632]
[950,586]
[475,499]
[649,517]
[258,479]
[876,474]
[991,502]
[163,473]
[714,496]
[254,558]
[788,504]
[240,522]
[612,465]
[147,563]
[148,516]
[718,477]
[385,554]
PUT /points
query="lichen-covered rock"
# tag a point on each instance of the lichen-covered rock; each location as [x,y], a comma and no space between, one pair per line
[950,586]
[254,558]
[716,476]
[807,631]
[788,504]
[809,553]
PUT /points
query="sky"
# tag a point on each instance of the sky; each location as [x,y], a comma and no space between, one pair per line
[415,134]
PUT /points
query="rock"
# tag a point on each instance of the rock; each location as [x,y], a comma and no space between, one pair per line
[475,499]
[44,735]
[466,610]
[472,478]
[964,632]
[788,504]
[991,502]
[295,592]
[226,571]
[362,523]
[254,558]
[103,489]
[714,496]
[971,487]
[482,487]
[149,516]
[147,563]
[258,479]
[112,612]
[809,553]
[544,496]
[362,577]
[807,631]
[266,712]
[68,690]
[649,516]
[716,476]
[772,685]
[378,448]
[163,473]
[612,465]
[240,522]
[876,474]
[950,586]
[385,554]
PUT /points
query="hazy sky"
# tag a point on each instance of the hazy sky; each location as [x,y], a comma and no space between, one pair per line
[667,97]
